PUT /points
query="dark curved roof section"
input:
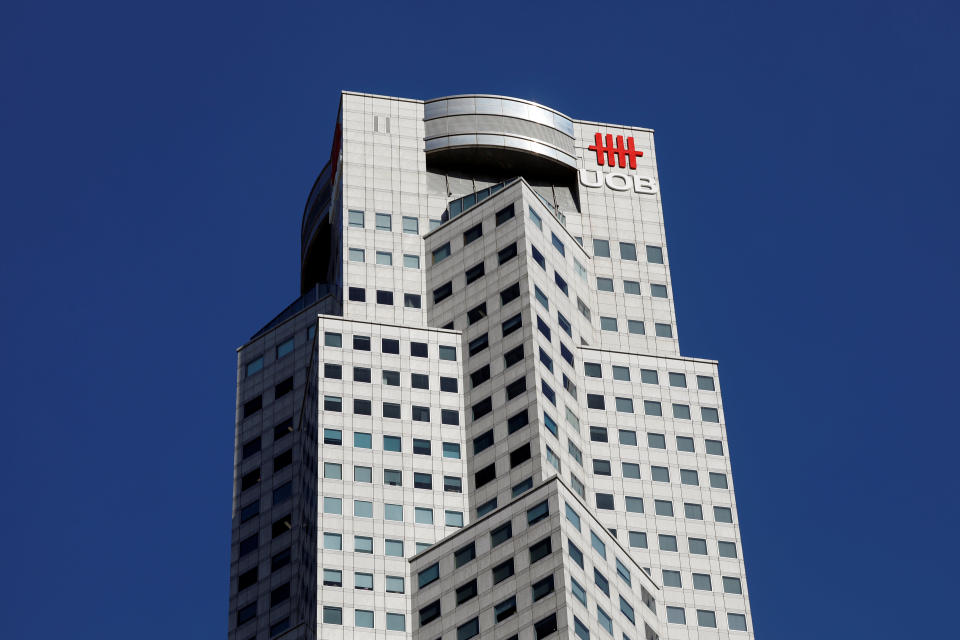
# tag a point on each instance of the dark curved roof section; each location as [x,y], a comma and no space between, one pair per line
[317,253]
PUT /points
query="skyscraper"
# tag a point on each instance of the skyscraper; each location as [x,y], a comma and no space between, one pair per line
[475,421]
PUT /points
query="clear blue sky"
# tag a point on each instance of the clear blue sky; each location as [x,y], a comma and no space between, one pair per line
[155,162]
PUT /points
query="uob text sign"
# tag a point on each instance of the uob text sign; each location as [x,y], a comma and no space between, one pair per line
[612,152]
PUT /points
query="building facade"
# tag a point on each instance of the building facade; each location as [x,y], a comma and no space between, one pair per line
[475,421]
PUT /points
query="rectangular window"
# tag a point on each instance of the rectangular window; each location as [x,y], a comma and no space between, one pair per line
[411,225]
[361,374]
[441,253]
[608,324]
[538,257]
[654,254]
[422,481]
[504,214]
[634,504]
[638,539]
[478,313]
[411,261]
[541,588]
[411,301]
[663,507]
[535,218]
[631,287]
[384,258]
[473,233]
[510,294]
[463,555]
[672,578]
[356,255]
[442,292]
[605,284]
[356,294]
[385,297]
[475,272]
[505,609]
[635,327]
[561,283]
[392,478]
[663,330]
[507,253]
[383,222]
[502,571]
[628,251]
[393,548]
[511,324]
[692,511]
[393,512]
[363,544]
[355,218]
[557,244]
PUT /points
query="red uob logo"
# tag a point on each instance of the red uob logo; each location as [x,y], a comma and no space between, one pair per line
[619,152]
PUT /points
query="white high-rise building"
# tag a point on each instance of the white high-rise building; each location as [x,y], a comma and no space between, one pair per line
[476,421]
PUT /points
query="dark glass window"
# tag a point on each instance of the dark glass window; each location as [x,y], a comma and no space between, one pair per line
[418,349]
[391,410]
[503,571]
[356,294]
[411,300]
[361,374]
[504,214]
[480,376]
[595,401]
[485,475]
[362,407]
[511,324]
[478,344]
[483,441]
[422,481]
[282,460]
[518,421]
[538,257]
[251,447]
[421,414]
[507,253]
[442,292]
[482,408]
[520,455]
[474,273]
[283,429]
[542,587]
[463,555]
[473,233]
[250,479]
[605,501]
[516,387]
[540,550]
[419,381]
[430,613]
[248,545]
[561,283]
[428,575]
[466,591]
[545,627]
[448,385]
[361,343]
[513,356]
[505,609]
[478,313]
[510,293]
[421,447]
[384,297]
[501,534]
[449,416]
[332,371]
[598,434]
[390,345]
[250,407]
[283,388]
